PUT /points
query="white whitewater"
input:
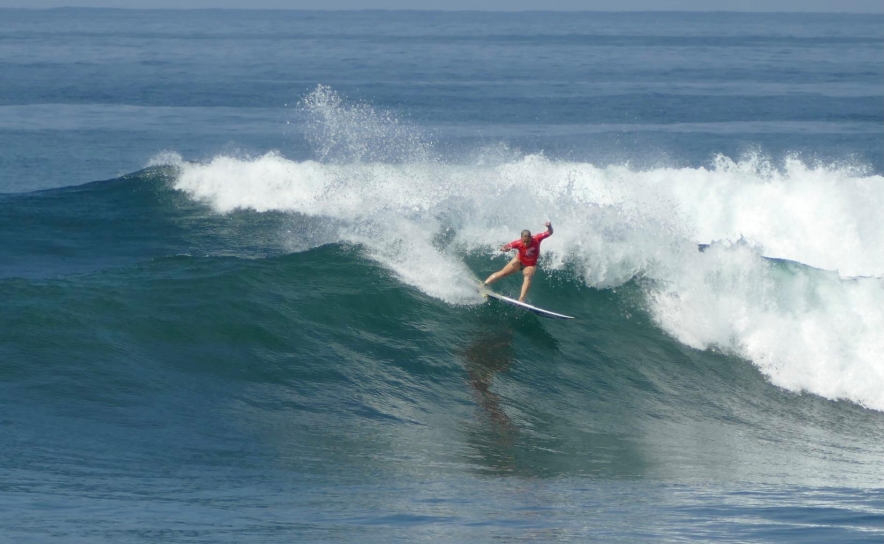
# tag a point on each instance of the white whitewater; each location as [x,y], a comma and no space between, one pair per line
[817,326]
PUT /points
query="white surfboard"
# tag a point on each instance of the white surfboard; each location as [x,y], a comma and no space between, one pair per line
[539,311]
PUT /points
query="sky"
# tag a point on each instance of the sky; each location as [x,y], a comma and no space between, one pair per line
[835,6]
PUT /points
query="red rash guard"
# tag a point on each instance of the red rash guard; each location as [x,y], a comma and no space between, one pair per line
[528,254]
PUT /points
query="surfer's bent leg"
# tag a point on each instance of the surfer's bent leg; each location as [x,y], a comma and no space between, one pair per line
[528,272]
[511,268]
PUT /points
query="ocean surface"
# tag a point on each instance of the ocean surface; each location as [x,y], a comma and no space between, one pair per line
[238,264]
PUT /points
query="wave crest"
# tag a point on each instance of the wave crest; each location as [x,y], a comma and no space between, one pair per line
[419,216]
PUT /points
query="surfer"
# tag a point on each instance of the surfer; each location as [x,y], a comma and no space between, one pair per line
[526,260]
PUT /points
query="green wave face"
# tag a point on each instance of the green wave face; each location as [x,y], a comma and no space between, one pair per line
[326,353]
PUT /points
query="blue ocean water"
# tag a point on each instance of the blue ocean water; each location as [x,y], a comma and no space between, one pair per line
[238,255]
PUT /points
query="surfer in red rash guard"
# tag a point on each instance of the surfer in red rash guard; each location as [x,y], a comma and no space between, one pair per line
[526,260]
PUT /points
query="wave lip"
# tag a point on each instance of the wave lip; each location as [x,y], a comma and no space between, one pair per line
[805,329]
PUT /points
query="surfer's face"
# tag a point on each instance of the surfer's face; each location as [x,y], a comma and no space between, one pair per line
[526,238]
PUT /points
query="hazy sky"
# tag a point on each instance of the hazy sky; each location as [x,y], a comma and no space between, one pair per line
[845,6]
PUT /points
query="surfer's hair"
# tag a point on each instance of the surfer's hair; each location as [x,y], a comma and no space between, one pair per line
[526,232]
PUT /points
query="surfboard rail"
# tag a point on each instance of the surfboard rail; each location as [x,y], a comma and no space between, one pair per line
[524,305]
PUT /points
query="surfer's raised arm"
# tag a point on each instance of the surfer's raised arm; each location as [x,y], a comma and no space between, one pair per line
[510,246]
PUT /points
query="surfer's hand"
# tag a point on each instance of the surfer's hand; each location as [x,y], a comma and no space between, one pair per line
[505,247]
[547,224]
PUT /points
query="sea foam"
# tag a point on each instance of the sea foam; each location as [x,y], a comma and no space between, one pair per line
[791,280]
